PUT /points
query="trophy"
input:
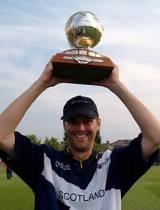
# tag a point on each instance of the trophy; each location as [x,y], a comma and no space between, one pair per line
[80,63]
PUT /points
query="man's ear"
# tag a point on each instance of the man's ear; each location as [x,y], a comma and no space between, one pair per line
[99,122]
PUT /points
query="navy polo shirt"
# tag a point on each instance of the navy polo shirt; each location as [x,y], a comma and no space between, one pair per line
[60,183]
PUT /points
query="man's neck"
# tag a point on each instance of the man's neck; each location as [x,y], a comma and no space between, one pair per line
[81,156]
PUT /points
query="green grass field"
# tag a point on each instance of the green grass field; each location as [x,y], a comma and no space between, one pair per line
[145,194]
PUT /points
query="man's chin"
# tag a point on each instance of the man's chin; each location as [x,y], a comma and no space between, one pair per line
[81,148]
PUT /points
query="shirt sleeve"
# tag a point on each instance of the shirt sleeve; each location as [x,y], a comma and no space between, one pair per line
[28,161]
[130,165]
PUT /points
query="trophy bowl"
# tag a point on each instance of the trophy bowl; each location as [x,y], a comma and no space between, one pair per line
[83,30]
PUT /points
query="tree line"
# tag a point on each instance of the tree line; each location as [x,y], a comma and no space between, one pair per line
[60,145]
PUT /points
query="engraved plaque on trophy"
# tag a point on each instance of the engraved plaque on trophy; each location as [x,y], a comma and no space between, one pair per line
[80,63]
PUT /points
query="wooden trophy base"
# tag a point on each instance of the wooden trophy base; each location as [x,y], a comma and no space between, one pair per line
[82,65]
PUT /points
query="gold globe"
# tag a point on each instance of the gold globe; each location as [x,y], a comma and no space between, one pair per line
[83,30]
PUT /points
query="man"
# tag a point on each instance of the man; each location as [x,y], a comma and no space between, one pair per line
[8,172]
[78,178]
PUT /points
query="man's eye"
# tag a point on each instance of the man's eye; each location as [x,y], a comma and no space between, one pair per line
[72,122]
[88,121]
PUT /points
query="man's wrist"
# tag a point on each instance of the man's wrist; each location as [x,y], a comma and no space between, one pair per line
[40,85]
[116,87]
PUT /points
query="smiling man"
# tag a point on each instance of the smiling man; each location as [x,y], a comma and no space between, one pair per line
[81,123]
[78,178]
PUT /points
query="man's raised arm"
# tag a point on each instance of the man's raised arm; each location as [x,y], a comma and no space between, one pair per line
[147,122]
[12,115]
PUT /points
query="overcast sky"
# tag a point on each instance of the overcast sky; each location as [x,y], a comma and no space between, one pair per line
[32,31]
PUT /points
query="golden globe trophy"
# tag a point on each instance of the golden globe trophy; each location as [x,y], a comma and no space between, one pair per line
[80,63]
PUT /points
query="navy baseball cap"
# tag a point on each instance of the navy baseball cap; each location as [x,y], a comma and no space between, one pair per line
[79,105]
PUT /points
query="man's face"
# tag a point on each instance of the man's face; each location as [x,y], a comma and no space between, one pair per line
[81,133]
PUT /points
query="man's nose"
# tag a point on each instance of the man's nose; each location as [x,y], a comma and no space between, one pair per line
[81,126]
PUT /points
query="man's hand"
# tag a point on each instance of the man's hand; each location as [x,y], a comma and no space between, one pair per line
[110,81]
[49,79]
